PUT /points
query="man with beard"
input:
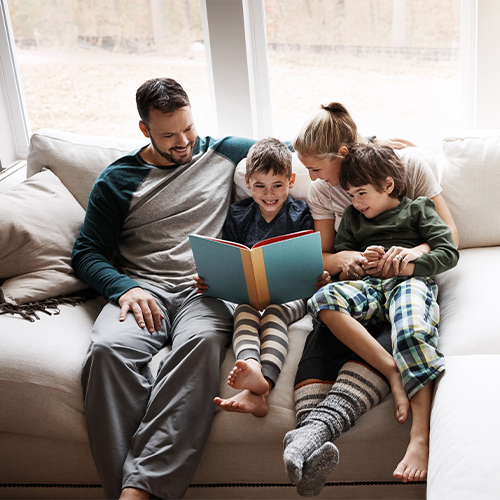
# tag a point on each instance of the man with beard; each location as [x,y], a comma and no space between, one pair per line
[147,435]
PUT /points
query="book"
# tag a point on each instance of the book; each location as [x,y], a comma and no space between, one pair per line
[273,271]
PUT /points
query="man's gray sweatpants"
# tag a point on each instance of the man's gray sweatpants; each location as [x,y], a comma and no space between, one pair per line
[148,433]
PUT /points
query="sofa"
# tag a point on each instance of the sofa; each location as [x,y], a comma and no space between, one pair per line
[43,440]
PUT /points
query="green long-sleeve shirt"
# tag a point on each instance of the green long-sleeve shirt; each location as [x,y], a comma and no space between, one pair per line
[408,225]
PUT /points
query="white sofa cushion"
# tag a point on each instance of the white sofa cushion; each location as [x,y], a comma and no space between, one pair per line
[39,224]
[76,159]
[471,183]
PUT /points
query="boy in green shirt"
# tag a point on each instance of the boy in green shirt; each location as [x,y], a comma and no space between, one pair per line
[384,226]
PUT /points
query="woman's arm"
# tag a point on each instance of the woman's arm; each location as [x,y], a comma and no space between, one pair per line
[348,262]
[445,214]
[394,143]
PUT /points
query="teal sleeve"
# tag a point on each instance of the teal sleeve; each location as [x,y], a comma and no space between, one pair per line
[95,247]
[444,254]
[231,147]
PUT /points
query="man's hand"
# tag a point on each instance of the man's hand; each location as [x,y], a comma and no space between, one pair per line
[146,311]
[394,143]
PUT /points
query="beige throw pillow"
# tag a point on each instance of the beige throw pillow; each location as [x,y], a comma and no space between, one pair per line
[470,182]
[39,223]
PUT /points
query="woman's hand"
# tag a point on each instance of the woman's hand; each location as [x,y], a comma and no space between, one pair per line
[395,262]
[394,143]
[199,285]
[323,280]
[351,265]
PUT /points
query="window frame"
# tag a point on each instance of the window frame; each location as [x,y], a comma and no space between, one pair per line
[16,108]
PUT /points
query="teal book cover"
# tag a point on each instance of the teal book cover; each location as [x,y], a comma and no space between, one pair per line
[274,271]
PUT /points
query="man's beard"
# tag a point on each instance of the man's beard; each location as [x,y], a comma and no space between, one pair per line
[169,157]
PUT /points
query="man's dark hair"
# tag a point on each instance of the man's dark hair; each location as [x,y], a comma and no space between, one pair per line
[367,164]
[163,94]
[269,155]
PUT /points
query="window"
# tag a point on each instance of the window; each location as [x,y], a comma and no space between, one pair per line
[395,64]
[14,130]
[81,62]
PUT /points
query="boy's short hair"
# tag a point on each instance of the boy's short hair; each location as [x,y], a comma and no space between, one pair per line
[368,164]
[163,94]
[269,155]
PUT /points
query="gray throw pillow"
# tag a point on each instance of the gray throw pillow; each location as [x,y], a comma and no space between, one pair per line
[39,223]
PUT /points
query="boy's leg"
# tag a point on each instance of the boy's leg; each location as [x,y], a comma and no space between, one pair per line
[246,342]
[274,336]
[168,444]
[341,307]
[357,389]
[413,467]
[414,312]
[247,372]
[116,383]
[323,358]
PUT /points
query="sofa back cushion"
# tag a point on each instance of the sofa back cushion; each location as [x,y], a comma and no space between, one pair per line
[471,183]
[76,159]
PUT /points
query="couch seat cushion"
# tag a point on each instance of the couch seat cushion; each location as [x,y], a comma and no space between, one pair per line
[464,459]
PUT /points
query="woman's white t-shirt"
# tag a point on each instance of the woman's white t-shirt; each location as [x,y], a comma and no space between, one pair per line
[329,202]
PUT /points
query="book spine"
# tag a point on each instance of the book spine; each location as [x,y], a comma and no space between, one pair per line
[259,271]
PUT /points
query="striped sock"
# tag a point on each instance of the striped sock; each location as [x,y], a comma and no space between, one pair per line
[357,389]
[308,396]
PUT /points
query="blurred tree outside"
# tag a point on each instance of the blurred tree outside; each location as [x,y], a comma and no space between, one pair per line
[82,60]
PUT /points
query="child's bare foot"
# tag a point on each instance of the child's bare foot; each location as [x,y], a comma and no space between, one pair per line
[413,467]
[248,375]
[246,402]
[401,401]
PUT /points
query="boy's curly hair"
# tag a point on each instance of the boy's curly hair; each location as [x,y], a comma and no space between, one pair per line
[368,164]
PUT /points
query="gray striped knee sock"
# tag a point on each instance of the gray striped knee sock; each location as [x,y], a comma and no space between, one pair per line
[308,396]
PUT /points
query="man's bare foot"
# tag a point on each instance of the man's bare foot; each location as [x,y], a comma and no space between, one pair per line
[413,467]
[246,402]
[399,396]
[247,374]
[134,494]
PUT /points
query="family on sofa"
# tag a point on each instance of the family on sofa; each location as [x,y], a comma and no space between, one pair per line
[147,434]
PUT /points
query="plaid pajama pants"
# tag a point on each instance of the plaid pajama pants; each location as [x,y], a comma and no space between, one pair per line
[409,304]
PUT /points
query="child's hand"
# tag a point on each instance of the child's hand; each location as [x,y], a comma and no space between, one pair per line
[374,253]
[323,280]
[199,285]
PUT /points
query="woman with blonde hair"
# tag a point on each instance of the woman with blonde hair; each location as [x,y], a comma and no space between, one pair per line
[333,386]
